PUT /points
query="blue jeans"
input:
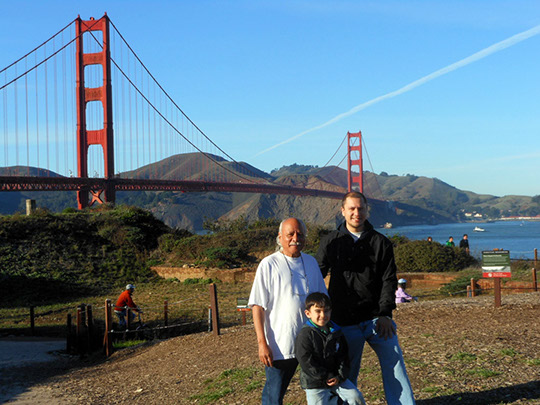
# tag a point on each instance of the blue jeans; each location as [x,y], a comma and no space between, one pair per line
[397,387]
[278,378]
[347,391]
[121,315]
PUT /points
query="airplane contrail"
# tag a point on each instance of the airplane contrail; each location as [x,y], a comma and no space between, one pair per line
[499,46]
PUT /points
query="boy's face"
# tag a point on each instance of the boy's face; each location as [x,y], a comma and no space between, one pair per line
[318,315]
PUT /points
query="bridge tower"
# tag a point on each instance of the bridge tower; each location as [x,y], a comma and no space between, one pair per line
[354,159]
[103,94]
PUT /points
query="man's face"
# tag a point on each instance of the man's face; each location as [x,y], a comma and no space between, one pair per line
[291,237]
[319,316]
[355,212]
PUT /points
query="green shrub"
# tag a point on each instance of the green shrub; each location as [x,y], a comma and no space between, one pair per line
[459,285]
[189,281]
[423,256]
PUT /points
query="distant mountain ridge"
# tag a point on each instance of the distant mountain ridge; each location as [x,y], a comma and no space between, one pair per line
[400,200]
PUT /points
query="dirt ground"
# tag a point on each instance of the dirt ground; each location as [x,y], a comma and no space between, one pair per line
[460,350]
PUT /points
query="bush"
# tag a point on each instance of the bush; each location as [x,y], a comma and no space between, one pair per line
[459,285]
[423,256]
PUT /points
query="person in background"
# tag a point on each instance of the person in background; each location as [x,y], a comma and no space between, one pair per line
[124,302]
[322,351]
[401,295]
[450,242]
[282,282]
[429,239]
[362,288]
[464,243]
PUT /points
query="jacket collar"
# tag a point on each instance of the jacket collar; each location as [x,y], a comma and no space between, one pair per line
[331,326]
[367,228]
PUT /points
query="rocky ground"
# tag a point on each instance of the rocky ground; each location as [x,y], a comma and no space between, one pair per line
[458,350]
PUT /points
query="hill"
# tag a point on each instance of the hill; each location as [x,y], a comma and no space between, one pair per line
[411,199]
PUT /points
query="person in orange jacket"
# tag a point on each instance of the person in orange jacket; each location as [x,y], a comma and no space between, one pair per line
[123,303]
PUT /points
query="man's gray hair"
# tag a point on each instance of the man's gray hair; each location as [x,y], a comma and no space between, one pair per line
[303,228]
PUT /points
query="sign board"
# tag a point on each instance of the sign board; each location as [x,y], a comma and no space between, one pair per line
[496,263]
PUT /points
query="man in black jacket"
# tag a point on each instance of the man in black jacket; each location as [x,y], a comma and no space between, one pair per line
[362,289]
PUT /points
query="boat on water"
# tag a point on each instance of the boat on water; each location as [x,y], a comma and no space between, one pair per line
[387,225]
[478,229]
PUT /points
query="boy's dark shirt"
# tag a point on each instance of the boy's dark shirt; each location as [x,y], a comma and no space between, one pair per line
[322,354]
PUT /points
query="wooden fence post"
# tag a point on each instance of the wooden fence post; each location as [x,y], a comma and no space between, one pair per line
[473,292]
[89,327]
[497,287]
[468,291]
[214,307]
[32,321]
[535,282]
[107,338]
[80,323]
[68,334]
[128,320]
[535,258]
[166,313]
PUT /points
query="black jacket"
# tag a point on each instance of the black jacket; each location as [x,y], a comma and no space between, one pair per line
[322,355]
[363,278]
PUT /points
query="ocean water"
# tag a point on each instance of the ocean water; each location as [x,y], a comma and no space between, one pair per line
[519,237]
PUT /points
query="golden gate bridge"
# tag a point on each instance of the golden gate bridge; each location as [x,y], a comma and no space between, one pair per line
[81,112]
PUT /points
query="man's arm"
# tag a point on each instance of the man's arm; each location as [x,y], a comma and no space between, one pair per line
[322,257]
[265,353]
[387,301]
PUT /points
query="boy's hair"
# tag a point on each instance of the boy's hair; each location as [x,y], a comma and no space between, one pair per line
[320,299]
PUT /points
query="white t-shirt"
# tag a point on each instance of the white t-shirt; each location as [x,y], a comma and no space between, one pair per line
[281,286]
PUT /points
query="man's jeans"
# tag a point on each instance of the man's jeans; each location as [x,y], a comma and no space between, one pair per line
[347,391]
[277,381]
[121,315]
[397,387]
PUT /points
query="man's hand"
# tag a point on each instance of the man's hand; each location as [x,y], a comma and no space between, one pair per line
[265,354]
[385,328]
[332,381]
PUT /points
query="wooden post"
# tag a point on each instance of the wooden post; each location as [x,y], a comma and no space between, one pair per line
[214,307]
[534,282]
[128,320]
[68,334]
[89,327]
[166,313]
[535,258]
[32,322]
[497,287]
[473,292]
[107,338]
[80,314]
[468,291]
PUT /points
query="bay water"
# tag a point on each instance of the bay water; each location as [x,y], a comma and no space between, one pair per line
[519,237]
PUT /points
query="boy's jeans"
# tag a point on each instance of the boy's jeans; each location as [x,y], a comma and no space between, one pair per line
[277,381]
[397,388]
[347,391]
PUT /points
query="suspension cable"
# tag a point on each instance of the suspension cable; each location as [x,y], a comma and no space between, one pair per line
[176,105]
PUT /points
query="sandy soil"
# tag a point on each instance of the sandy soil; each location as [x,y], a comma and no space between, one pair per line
[457,351]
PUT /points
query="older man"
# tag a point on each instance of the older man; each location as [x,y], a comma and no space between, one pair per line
[362,288]
[282,282]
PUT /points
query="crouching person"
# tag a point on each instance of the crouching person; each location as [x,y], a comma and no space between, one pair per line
[322,351]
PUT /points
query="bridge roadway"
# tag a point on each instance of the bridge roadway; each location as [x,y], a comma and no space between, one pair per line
[29,183]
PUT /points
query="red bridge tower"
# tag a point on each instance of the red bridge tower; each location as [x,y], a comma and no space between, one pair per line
[103,136]
[354,158]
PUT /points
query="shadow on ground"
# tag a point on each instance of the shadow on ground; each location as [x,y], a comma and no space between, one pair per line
[527,391]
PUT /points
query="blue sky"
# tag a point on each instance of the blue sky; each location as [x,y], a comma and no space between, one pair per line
[254,75]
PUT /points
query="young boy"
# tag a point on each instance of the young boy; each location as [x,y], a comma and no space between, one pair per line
[321,350]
